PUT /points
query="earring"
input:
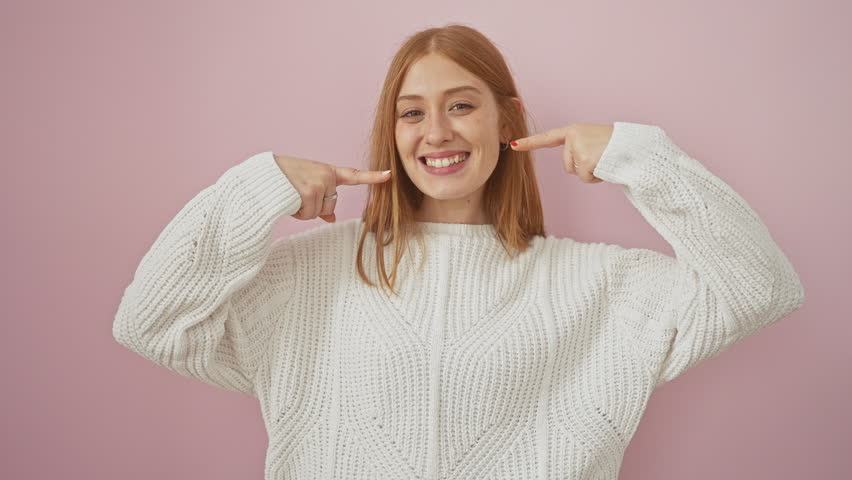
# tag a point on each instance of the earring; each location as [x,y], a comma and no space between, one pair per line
[502,148]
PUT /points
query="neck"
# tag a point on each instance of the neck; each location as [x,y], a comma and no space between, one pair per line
[457,210]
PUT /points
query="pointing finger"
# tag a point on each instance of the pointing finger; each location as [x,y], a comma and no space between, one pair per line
[353,176]
[551,138]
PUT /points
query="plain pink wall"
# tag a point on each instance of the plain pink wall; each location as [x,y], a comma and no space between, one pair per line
[115,114]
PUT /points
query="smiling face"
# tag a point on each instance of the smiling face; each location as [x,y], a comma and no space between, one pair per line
[444,108]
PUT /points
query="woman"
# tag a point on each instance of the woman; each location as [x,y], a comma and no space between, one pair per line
[491,350]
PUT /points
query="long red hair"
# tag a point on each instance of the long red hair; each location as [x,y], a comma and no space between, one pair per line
[511,195]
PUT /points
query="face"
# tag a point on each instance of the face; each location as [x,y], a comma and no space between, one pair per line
[435,116]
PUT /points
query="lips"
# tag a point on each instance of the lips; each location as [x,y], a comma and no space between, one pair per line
[423,159]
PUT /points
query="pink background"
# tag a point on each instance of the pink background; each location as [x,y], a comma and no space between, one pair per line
[115,114]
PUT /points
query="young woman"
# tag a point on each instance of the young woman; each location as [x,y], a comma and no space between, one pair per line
[485,349]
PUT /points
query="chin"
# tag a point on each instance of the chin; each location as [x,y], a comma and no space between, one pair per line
[439,193]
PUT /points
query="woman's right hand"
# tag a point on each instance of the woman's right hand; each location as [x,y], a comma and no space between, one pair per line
[314,180]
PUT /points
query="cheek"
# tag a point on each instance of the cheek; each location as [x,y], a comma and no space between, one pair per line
[489,157]
[404,143]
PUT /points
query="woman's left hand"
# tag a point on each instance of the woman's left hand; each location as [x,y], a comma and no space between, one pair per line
[584,145]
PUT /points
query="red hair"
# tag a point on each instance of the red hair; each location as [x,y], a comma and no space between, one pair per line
[511,196]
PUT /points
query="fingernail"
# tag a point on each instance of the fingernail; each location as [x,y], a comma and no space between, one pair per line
[386,172]
[514,144]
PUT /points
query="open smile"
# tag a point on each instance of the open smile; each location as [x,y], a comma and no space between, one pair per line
[444,166]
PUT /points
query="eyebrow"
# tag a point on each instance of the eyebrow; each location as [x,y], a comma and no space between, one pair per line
[446,92]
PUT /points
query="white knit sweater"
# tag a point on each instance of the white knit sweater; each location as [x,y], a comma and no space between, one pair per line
[485,367]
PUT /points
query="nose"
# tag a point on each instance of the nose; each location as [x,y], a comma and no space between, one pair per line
[438,130]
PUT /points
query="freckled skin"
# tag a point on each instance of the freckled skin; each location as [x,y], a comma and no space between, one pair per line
[440,122]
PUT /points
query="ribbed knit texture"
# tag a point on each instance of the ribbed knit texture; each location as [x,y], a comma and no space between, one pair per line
[486,367]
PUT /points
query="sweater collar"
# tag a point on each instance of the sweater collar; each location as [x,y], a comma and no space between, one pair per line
[485,230]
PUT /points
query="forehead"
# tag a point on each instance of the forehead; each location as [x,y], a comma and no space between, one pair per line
[433,74]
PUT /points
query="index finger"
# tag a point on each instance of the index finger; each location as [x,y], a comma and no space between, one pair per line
[551,138]
[353,176]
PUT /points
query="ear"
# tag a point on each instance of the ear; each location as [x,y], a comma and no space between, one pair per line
[518,105]
[504,130]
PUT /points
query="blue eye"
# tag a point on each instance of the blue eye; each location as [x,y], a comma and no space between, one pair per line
[406,115]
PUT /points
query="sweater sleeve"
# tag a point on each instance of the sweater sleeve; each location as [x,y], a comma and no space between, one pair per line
[196,302]
[729,279]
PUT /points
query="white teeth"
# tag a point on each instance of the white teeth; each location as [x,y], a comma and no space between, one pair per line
[443,162]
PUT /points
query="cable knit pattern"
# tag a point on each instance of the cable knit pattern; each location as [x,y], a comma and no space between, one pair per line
[485,367]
